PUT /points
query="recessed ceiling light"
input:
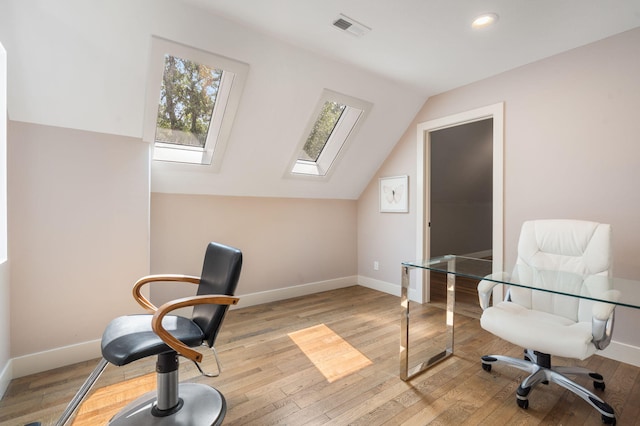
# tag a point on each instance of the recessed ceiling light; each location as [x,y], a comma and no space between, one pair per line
[484,20]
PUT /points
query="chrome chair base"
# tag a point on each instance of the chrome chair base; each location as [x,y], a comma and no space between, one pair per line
[199,405]
[538,365]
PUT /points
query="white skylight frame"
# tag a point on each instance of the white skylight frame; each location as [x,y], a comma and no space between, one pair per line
[166,155]
[344,132]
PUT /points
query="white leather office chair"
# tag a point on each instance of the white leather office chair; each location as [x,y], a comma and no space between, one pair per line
[545,323]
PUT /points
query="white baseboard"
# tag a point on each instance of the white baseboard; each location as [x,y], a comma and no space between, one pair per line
[385,287]
[622,352]
[59,357]
[54,358]
[261,297]
[479,254]
[5,378]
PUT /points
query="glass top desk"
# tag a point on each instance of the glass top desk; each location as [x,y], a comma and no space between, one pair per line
[617,291]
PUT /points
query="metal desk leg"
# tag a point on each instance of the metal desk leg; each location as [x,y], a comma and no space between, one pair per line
[407,372]
[404,325]
[451,304]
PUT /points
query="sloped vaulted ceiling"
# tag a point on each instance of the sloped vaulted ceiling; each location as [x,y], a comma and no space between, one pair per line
[429,44]
[83,65]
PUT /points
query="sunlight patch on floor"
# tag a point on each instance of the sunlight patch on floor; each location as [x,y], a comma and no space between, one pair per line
[106,402]
[330,353]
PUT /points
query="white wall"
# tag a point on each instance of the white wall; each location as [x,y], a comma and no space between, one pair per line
[571,150]
[79,238]
[6,371]
[290,246]
[5,306]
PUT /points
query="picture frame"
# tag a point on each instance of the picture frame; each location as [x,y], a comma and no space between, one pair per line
[394,194]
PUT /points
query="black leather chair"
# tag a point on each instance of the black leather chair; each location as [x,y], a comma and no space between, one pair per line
[130,338]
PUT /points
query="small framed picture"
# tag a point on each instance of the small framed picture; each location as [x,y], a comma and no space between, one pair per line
[394,194]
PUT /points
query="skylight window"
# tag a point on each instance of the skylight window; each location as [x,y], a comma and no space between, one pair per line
[195,96]
[333,123]
[187,100]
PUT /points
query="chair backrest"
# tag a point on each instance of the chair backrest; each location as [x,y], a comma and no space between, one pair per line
[575,246]
[220,275]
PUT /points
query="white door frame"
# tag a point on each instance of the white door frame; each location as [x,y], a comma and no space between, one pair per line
[496,112]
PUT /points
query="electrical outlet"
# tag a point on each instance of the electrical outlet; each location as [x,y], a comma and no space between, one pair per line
[376,265]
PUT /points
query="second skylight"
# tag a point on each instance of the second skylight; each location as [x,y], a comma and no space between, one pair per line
[332,126]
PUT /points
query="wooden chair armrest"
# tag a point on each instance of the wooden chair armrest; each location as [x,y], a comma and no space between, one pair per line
[143,301]
[172,342]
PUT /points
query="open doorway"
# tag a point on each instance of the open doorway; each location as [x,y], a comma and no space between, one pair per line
[461,189]
[488,200]
[460,203]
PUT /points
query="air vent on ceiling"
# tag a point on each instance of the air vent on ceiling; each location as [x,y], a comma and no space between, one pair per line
[350,26]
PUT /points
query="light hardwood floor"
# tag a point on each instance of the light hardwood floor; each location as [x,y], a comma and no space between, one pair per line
[268,379]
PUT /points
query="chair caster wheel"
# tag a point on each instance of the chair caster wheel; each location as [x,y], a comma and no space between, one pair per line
[486,367]
[608,420]
[523,403]
[598,385]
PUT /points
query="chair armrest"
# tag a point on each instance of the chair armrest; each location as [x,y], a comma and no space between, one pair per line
[172,342]
[603,319]
[602,311]
[143,301]
[485,287]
